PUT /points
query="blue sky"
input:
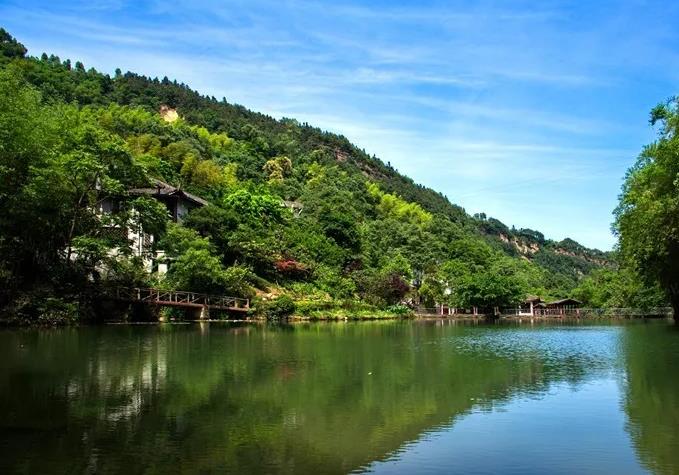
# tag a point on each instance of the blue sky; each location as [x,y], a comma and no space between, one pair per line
[528,111]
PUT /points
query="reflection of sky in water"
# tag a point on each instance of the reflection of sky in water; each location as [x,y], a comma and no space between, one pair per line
[591,351]
[568,430]
[572,423]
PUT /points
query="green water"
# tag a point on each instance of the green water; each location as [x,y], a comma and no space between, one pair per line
[387,397]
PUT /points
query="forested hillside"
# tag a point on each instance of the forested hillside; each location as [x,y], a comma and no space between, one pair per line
[355,233]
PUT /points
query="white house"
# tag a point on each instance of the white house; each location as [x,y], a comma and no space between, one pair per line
[178,203]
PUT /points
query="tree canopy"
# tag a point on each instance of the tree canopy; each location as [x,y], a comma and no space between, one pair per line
[647,218]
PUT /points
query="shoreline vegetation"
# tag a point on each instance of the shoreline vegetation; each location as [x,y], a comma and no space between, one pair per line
[126,181]
[391,317]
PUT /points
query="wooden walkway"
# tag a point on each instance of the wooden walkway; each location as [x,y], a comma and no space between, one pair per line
[180,298]
[549,312]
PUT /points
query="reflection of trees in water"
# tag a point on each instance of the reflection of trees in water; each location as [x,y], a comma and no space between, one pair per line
[326,398]
[652,395]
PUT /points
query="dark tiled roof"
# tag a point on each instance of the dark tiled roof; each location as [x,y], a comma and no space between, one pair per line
[164,189]
[562,301]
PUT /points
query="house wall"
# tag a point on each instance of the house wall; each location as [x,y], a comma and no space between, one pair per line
[182,209]
[141,244]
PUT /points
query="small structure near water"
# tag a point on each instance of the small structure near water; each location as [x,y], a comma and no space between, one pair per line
[196,305]
[178,203]
[562,307]
[535,306]
[530,305]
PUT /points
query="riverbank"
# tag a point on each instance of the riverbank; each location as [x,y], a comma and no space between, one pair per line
[385,316]
[283,308]
[335,316]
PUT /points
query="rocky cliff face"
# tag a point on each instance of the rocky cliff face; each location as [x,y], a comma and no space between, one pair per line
[524,248]
[168,113]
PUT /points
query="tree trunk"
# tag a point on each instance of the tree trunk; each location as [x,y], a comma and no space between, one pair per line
[674,301]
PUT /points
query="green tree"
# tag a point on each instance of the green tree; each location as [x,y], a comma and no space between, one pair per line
[9,47]
[490,289]
[196,265]
[278,168]
[616,288]
[256,209]
[647,218]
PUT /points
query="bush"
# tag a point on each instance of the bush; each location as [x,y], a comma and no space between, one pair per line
[54,311]
[400,309]
[333,283]
[36,308]
[282,307]
[307,308]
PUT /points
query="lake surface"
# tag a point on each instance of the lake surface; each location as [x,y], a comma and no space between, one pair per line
[380,397]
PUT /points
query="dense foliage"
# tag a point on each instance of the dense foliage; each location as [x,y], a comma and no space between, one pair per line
[647,218]
[618,288]
[646,274]
[292,209]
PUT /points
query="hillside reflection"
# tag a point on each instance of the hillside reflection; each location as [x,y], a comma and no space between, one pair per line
[326,398]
